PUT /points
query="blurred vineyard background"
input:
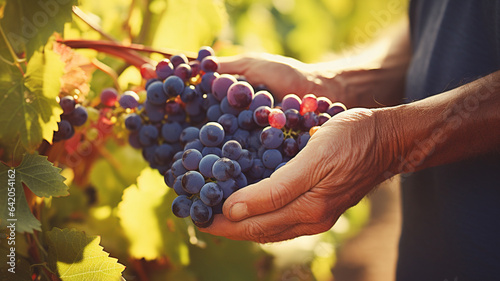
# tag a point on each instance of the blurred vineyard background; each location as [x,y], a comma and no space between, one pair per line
[125,203]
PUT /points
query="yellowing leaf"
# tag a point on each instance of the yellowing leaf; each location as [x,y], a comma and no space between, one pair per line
[148,222]
[138,214]
[75,256]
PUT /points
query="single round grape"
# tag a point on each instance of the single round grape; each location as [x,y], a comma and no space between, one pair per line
[277,118]
[240,95]
[271,137]
[64,131]
[267,173]
[310,119]
[133,122]
[194,108]
[290,147]
[148,71]
[223,169]
[169,178]
[291,101]
[336,108]
[232,150]
[171,132]
[109,96]
[237,168]
[192,182]
[67,104]
[200,213]
[205,51]
[206,164]
[178,60]
[212,134]
[194,144]
[211,194]
[245,120]
[261,115]
[173,86]
[271,158]
[323,104]
[229,122]
[177,168]
[148,135]
[293,119]
[164,69]
[211,150]
[78,116]
[181,206]
[209,64]
[262,98]
[177,156]
[129,99]
[156,94]
[221,84]
[189,134]
[163,154]
[191,159]
[309,104]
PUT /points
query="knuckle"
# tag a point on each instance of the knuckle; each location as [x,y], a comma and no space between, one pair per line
[279,196]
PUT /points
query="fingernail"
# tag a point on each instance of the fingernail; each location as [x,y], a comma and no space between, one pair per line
[238,211]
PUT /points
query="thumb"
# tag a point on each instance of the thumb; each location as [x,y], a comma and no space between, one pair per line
[284,185]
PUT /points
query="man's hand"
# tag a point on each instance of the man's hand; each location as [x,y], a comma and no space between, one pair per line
[342,162]
[282,75]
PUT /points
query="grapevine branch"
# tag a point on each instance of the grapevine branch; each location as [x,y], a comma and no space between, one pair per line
[117,49]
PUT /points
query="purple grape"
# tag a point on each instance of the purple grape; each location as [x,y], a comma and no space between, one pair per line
[189,134]
[183,71]
[211,194]
[291,101]
[229,122]
[293,119]
[240,95]
[212,134]
[148,135]
[271,137]
[155,113]
[201,214]
[78,116]
[206,164]
[232,150]
[336,108]
[302,139]
[191,159]
[322,118]
[155,94]
[261,115]
[245,160]
[164,69]
[163,154]
[271,158]
[310,119]
[181,206]
[205,51]
[189,94]
[228,187]
[129,99]
[224,169]
[173,86]
[171,132]
[225,107]
[290,147]
[209,64]
[262,98]
[179,59]
[221,84]
[67,104]
[211,150]
[64,131]
[109,96]
[245,120]
[323,104]
[207,80]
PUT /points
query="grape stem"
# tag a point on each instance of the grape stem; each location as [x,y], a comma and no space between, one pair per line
[109,71]
[86,19]
[17,61]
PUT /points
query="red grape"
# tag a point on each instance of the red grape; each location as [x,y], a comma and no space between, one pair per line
[277,118]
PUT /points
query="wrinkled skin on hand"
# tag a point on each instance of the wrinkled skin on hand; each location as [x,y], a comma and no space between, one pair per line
[343,161]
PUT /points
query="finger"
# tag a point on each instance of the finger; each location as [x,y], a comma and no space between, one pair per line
[233,64]
[284,185]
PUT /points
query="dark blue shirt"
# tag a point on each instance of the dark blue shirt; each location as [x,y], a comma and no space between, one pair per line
[451,213]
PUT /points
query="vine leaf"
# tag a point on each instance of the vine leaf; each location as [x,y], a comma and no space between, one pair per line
[29,111]
[41,177]
[145,208]
[29,24]
[75,256]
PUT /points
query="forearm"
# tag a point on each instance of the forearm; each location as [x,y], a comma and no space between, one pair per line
[373,78]
[449,127]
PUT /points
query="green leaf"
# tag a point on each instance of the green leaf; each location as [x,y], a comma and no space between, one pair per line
[75,256]
[206,19]
[28,24]
[41,177]
[29,111]
[146,209]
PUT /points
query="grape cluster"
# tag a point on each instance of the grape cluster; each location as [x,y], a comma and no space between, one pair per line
[73,115]
[211,134]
